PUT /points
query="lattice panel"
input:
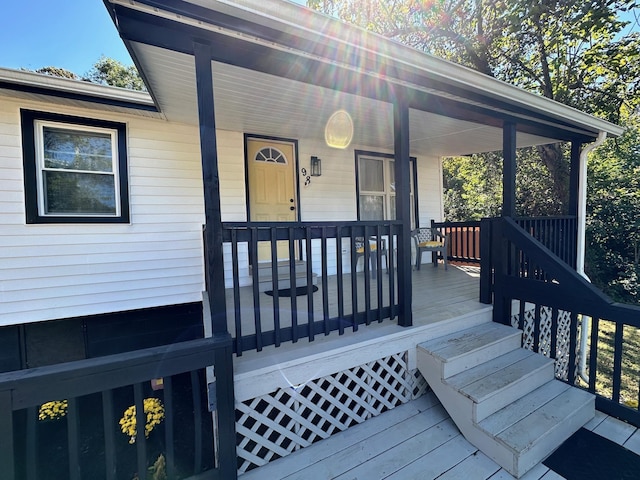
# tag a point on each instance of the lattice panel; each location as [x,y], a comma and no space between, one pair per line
[274,425]
[544,346]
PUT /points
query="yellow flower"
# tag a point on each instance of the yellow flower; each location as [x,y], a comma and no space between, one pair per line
[154,411]
[53,410]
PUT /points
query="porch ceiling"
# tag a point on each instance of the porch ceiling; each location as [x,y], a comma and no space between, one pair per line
[253,102]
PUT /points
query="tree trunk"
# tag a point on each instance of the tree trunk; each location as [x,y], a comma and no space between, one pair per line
[552,157]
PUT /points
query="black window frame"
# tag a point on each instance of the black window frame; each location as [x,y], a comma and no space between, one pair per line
[28,119]
[414,170]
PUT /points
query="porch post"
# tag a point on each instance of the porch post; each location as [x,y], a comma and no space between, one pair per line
[509,169]
[403,207]
[223,358]
[574,187]
[574,178]
[213,218]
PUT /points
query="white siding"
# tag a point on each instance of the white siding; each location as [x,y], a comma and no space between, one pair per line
[430,204]
[50,271]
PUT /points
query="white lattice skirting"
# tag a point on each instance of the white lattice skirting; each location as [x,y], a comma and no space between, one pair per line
[546,323]
[274,425]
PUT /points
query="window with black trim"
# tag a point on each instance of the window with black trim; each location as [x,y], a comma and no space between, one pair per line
[377,188]
[75,169]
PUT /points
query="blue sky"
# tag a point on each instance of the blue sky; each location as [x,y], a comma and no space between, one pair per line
[71,34]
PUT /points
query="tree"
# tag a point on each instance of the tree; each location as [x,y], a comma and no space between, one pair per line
[107,71]
[613,220]
[57,72]
[571,51]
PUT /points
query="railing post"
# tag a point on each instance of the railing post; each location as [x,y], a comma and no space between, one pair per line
[486,263]
[500,253]
[225,408]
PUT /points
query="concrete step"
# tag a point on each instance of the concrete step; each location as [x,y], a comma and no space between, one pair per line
[503,398]
[466,349]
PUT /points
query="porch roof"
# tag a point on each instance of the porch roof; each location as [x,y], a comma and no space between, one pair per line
[282,69]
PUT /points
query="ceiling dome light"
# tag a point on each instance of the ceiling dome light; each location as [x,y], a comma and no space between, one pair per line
[339,130]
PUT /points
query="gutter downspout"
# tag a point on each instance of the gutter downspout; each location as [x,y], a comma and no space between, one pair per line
[585,321]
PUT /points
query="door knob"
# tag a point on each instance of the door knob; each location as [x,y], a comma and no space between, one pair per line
[292,207]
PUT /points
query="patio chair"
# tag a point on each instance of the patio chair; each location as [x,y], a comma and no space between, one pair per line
[430,240]
[373,250]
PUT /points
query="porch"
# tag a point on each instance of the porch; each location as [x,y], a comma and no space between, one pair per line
[415,440]
[438,294]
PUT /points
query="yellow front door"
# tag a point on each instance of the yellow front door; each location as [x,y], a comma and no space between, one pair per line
[272,193]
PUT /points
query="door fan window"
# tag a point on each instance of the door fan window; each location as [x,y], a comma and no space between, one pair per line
[271,155]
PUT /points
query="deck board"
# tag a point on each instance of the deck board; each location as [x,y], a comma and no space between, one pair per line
[437,295]
[416,440]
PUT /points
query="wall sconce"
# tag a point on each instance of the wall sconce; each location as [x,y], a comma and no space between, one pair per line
[316,166]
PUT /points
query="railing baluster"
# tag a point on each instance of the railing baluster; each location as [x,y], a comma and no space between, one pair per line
[340,275]
[310,312]
[109,423]
[197,422]
[32,455]
[617,362]
[275,285]
[72,439]
[236,291]
[7,458]
[593,354]
[292,281]
[554,333]
[379,241]
[367,276]
[354,283]
[257,318]
[392,269]
[167,383]
[324,253]
[573,346]
[536,329]
[141,421]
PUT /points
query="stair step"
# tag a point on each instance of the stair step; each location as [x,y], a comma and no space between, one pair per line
[265,270]
[538,433]
[468,348]
[503,380]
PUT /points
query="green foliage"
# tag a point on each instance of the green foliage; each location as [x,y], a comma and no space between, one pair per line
[613,220]
[57,72]
[107,71]
[473,186]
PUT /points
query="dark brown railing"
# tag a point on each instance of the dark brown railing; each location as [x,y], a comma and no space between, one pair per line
[79,420]
[344,299]
[553,299]
[464,240]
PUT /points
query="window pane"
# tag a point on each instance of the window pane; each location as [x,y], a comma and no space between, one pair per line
[76,150]
[371,207]
[67,192]
[371,175]
[392,177]
[392,213]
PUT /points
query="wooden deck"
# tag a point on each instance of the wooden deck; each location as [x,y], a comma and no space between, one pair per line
[437,295]
[418,441]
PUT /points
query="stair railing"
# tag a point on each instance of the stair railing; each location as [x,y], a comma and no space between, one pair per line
[539,293]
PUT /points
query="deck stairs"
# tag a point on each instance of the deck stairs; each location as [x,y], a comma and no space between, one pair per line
[265,275]
[503,398]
